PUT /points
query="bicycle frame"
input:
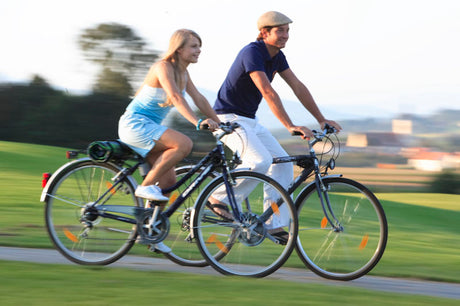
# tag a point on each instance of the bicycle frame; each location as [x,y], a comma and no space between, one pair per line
[213,160]
[310,164]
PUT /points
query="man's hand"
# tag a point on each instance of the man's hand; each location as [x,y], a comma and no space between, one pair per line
[306,132]
[331,123]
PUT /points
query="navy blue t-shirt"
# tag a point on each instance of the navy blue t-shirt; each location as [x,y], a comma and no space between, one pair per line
[238,94]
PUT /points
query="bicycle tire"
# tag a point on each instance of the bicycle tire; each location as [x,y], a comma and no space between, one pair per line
[352,252]
[72,187]
[180,240]
[243,249]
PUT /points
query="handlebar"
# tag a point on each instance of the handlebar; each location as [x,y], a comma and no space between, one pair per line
[225,127]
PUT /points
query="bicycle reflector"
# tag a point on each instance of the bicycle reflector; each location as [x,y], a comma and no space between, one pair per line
[71,154]
[45,177]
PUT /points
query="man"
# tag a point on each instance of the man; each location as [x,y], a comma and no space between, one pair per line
[247,82]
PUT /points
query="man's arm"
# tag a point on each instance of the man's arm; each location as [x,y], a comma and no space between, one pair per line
[303,94]
[274,102]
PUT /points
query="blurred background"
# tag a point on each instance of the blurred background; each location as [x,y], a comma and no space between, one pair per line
[387,71]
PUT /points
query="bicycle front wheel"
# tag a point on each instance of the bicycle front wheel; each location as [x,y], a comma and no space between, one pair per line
[83,236]
[354,247]
[245,246]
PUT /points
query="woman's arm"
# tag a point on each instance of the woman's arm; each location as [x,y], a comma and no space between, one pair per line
[165,74]
[200,101]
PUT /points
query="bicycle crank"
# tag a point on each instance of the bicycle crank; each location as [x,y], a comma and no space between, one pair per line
[152,231]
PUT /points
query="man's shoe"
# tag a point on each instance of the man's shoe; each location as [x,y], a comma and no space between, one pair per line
[150,192]
[220,210]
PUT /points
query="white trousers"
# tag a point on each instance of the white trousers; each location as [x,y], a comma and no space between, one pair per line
[257,147]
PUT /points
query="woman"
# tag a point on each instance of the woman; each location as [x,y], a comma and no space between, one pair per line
[164,87]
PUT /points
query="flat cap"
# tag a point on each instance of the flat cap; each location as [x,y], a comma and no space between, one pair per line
[272,19]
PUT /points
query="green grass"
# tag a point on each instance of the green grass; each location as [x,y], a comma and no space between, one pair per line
[423,228]
[423,236]
[34,284]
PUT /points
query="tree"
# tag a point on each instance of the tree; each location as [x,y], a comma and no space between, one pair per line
[113,82]
[38,81]
[121,53]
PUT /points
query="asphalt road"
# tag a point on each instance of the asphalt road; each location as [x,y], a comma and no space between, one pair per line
[406,286]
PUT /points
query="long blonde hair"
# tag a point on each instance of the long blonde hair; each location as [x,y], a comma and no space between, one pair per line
[177,41]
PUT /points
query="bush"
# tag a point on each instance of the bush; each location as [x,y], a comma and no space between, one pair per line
[446,182]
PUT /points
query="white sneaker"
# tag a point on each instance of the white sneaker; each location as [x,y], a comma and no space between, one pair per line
[160,247]
[150,192]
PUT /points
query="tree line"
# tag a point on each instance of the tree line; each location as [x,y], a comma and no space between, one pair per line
[35,112]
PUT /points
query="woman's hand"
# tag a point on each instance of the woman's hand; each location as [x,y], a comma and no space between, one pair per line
[212,125]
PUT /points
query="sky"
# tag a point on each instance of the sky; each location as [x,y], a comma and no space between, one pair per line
[357,57]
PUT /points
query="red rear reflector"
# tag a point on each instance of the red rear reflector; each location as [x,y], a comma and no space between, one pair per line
[46,176]
[71,154]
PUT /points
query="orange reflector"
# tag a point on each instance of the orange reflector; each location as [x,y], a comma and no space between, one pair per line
[71,236]
[276,209]
[109,185]
[220,245]
[173,197]
[324,222]
[363,243]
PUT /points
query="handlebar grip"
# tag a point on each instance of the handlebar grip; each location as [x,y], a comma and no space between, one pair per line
[329,129]
[296,133]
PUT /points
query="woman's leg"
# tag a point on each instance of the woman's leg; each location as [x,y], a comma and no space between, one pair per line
[169,150]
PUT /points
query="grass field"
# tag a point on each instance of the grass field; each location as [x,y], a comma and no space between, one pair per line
[34,284]
[423,243]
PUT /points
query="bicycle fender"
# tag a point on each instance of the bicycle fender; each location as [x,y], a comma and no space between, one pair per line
[240,169]
[44,194]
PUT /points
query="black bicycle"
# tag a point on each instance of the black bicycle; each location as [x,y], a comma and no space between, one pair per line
[94,218]
[343,229]
[342,226]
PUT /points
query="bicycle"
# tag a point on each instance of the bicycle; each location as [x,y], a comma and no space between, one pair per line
[93,217]
[343,229]
[334,240]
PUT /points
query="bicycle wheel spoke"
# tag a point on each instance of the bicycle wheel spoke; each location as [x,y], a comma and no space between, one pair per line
[66,200]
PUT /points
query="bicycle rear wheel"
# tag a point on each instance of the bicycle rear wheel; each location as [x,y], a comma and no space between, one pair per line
[245,248]
[80,235]
[354,250]
[184,250]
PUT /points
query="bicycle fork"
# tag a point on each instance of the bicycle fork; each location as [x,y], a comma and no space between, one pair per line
[327,209]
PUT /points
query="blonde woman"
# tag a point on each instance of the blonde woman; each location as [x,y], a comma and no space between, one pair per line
[163,88]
